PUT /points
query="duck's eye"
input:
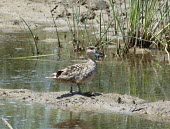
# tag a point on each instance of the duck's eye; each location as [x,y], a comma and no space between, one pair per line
[92,48]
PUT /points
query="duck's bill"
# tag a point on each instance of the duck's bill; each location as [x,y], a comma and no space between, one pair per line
[99,54]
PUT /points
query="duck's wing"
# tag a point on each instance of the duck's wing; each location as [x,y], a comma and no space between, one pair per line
[75,73]
[71,72]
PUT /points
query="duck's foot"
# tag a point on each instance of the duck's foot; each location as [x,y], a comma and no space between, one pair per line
[86,94]
[91,94]
[66,95]
[71,90]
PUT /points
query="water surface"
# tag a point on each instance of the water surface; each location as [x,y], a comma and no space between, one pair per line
[140,76]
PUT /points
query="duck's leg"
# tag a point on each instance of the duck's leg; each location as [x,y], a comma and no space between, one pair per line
[71,89]
[79,90]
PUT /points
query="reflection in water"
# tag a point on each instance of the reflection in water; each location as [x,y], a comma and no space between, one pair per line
[138,76]
[148,81]
[72,123]
[34,116]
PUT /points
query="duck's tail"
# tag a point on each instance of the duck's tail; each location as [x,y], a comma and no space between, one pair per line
[53,76]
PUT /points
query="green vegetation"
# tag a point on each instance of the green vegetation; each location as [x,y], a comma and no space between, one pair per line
[130,24]
[59,43]
[136,23]
[35,38]
[144,23]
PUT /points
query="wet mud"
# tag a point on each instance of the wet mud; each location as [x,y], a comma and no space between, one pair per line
[93,102]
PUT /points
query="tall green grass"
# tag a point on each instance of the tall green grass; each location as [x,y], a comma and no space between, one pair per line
[145,22]
[35,38]
[75,27]
[133,23]
[84,34]
[57,33]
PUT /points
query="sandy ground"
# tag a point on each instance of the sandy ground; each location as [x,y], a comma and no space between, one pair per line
[35,12]
[96,102]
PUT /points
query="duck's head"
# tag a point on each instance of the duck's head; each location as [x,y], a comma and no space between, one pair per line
[92,51]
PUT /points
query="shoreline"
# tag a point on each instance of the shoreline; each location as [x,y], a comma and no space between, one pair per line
[98,102]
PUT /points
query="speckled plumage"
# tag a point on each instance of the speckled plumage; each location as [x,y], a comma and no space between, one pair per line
[79,73]
[76,74]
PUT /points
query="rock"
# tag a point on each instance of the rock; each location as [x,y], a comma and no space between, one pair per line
[60,11]
[89,15]
[80,2]
[139,50]
[99,5]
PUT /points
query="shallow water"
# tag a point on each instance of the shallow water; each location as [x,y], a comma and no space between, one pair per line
[34,116]
[140,76]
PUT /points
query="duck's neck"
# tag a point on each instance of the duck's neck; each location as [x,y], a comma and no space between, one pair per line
[91,60]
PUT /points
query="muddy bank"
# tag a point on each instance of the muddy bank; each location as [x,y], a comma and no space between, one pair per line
[37,13]
[96,102]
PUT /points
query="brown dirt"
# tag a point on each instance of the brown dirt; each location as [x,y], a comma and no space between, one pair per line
[35,12]
[96,102]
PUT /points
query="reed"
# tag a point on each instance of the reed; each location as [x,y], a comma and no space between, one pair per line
[81,35]
[141,22]
[74,26]
[35,38]
[6,123]
[136,23]
[59,43]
